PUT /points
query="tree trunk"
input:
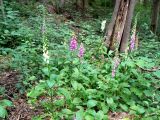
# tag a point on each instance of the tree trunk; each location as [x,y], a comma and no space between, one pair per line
[81,4]
[2,8]
[118,31]
[127,28]
[145,3]
[155,15]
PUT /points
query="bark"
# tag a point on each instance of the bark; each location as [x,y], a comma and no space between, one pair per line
[127,27]
[118,31]
[81,4]
[145,3]
[112,23]
[155,15]
[2,8]
[119,25]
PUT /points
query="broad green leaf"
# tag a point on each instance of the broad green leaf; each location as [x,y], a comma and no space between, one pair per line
[89,117]
[90,112]
[91,103]
[53,77]
[99,115]
[3,112]
[75,74]
[137,91]
[67,111]
[110,101]
[65,92]
[50,83]
[5,103]
[46,71]
[80,114]
[59,103]
[157,73]
[104,107]
[32,78]
[38,90]
[148,93]
[77,101]
[74,85]
[141,109]
[124,107]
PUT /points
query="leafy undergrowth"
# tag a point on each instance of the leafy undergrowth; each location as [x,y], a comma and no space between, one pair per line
[71,87]
[74,88]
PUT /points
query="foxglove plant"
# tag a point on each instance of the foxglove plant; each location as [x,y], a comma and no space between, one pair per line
[133,36]
[133,41]
[103,25]
[45,54]
[73,43]
[116,62]
[81,51]
[45,41]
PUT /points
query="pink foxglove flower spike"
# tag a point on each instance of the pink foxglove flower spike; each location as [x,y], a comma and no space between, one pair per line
[73,43]
[132,42]
[81,51]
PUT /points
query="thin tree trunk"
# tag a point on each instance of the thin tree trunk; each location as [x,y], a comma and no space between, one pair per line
[112,23]
[155,15]
[127,28]
[118,32]
[2,8]
[119,25]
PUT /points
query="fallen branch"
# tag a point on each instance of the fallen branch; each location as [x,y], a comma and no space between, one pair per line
[153,69]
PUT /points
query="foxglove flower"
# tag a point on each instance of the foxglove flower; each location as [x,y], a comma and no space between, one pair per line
[73,43]
[45,54]
[116,62]
[46,57]
[81,51]
[132,42]
[103,25]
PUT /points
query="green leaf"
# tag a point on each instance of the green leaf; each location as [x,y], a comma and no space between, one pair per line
[67,111]
[59,103]
[80,114]
[77,101]
[148,93]
[5,103]
[3,112]
[137,92]
[74,85]
[65,92]
[50,83]
[141,109]
[75,73]
[157,73]
[99,115]
[89,117]
[91,103]
[104,107]
[53,77]
[110,101]
[46,71]
[124,107]
[38,90]
[32,78]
